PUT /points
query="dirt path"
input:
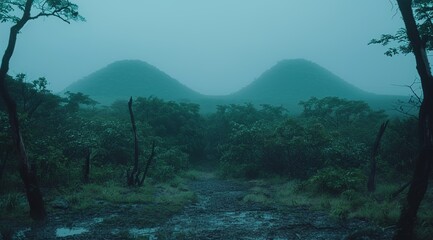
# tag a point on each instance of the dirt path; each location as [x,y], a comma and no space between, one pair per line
[219,213]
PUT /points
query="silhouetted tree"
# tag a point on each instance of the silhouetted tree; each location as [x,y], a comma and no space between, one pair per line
[416,38]
[133,176]
[62,9]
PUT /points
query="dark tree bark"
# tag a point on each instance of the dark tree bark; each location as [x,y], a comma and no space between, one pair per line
[86,167]
[132,177]
[371,184]
[28,176]
[418,186]
[149,161]
[3,163]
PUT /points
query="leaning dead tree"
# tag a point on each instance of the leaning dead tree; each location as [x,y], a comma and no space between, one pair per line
[133,175]
[371,184]
[424,162]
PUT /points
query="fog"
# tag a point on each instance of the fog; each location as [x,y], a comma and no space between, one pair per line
[217,47]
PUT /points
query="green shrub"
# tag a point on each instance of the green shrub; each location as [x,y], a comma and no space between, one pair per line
[53,168]
[11,202]
[337,180]
[168,164]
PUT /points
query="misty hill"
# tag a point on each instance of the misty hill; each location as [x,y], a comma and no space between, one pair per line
[126,78]
[297,79]
[292,81]
[286,84]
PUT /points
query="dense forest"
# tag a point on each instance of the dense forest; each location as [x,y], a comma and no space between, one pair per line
[155,167]
[325,152]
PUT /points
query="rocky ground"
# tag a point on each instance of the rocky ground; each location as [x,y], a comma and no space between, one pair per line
[218,213]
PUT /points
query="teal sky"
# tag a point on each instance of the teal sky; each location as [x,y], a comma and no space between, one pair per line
[217,47]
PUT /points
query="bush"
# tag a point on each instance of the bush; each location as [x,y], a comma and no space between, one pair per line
[10,202]
[168,164]
[337,180]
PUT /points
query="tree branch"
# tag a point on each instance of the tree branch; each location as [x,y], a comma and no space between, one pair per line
[55,13]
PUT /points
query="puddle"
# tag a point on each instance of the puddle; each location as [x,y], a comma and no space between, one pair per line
[67,232]
[150,233]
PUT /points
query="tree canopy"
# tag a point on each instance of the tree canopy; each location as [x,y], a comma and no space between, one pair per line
[13,10]
[398,43]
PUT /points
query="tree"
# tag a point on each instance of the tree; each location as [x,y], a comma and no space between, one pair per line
[399,42]
[9,10]
[417,16]
[425,159]
[76,99]
[133,176]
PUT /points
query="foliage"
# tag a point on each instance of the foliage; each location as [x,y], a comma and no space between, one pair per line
[328,144]
[74,100]
[352,119]
[168,164]
[331,132]
[345,153]
[400,145]
[177,123]
[11,202]
[398,43]
[337,180]
[65,10]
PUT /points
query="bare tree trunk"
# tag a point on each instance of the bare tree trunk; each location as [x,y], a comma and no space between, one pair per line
[86,167]
[3,163]
[418,187]
[133,175]
[28,175]
[371,184]
[149,161]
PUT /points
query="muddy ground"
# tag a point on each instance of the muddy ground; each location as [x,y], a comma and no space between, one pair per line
[218,213]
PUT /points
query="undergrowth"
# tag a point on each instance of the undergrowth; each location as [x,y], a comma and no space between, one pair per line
[377,207]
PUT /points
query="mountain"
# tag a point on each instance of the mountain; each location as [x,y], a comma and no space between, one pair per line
[291,81]
[297,79]
[126,78]
[286,84]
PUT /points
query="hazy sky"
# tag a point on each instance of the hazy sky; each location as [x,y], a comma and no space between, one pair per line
[217,46]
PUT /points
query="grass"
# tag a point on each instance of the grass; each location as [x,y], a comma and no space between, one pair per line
[157,201]
[13,205]
[112,192]
[376,207]
[87,196]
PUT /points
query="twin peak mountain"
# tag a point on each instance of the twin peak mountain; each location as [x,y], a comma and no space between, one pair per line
[285,84]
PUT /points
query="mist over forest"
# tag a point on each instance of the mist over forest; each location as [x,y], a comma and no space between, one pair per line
[216,120]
